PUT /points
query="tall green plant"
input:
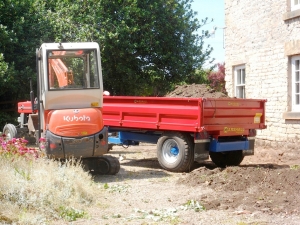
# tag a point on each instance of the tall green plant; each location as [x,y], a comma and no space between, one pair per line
[217,78]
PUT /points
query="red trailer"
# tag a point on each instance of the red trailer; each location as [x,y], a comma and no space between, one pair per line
[187,129]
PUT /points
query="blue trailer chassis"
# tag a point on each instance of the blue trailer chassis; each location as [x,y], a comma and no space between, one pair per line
[213,145]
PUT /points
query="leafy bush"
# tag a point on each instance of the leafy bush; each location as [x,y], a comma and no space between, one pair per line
[217,78]
[199,77]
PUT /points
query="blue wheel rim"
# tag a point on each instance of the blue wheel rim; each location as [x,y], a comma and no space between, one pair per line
[174,150]
[170,151]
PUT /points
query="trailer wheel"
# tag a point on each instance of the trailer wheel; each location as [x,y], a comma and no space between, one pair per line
[224,159]
[175,152]
[10,131]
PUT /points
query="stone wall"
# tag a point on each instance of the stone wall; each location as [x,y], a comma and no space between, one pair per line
[259,35]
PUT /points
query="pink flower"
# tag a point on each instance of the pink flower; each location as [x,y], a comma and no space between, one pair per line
[17,146]
[42,139]
[24,141]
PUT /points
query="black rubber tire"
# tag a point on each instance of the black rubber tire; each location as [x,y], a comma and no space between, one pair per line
[10,131]
[105,165]
[102,165]
[225,159]
[114,164]
[180,160]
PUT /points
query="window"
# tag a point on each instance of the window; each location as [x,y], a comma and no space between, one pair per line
[72,69]
[296,83]
[295,4]
[239,76]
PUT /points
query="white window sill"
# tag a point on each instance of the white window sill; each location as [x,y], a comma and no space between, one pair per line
[291,15]
[291,115]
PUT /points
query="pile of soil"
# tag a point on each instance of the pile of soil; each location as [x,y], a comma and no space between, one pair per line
[268,188]
[196,91]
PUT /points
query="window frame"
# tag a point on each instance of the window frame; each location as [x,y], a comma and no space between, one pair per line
[242,83]
[294,106]
[293,6]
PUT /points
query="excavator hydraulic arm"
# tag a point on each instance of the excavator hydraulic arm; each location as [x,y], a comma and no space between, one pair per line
[62,73]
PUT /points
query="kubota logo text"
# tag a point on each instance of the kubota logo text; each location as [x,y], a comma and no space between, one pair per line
[234,129]
[77,118]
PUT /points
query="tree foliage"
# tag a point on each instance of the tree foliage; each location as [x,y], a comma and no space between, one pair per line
[22,30]
[148,46]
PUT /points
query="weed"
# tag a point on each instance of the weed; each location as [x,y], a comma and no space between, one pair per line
[163,179]
[106,217]
[204,177]
[225,176]
[116,216]
[295,167]
[71,214]
[145,200]
[156,215]
[242,223]
[192,204]
[252,223]
[23,173]
[175,220]
[261,198]
[116,188]
[167,215]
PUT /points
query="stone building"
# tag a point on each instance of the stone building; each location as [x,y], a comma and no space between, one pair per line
[262,60]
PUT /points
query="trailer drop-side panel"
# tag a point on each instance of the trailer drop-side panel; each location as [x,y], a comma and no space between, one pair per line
[221,117]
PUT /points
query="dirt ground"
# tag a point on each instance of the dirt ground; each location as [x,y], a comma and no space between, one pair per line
[264,189]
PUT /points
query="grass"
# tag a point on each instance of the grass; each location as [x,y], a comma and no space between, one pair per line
[36,190]
[43,190]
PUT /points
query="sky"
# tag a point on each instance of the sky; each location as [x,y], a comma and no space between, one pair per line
[213,9]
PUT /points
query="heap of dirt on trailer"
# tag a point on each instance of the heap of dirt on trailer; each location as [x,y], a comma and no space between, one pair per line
[196,91]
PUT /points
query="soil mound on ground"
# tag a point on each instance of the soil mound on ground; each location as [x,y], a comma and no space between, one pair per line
[196,91]
[267,187]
